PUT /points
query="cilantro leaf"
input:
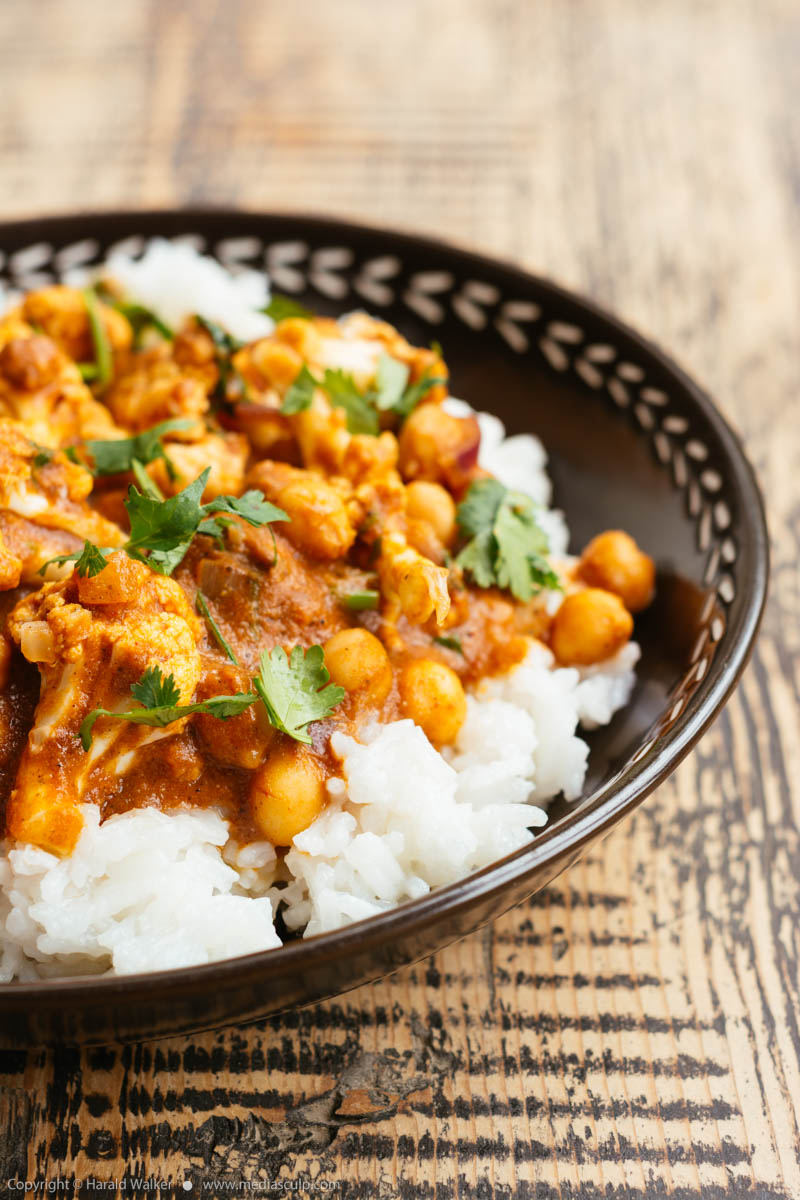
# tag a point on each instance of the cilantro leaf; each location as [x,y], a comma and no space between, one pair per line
[149,486]
[344,393]
[367,600]
[506,545]
[390,393]
[300,393]
[165,528]
[155,690]
[113,457]
[141,319]
[477,558]
[103,356]
[450,643]
[476,514]
[216,632]
[280,307]
[391,378]
[295,689]
[225,343]
[416,392]
[89,561]
[521,547]
[393,393]
[162,530]
[251,507]
[158,694]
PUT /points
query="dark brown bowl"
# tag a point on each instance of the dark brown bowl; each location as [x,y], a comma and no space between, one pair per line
[633,443]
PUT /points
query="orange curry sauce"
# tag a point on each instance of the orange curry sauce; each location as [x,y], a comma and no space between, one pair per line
[370,512]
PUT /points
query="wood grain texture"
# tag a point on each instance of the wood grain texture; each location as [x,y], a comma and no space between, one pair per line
[634,1031]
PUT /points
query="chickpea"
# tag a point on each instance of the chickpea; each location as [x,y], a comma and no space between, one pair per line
[301,335]
[422,537]
[367,457]
[434,698]
[287,793]
[432,503]
[359,663]
[278,363]
[30,362]
[240,741]
[589,627]
[613,561]
[317,514]
[439,447]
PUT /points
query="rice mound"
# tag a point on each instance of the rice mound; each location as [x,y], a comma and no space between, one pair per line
[150,890]
[407,818]
[143,890]
[175,281]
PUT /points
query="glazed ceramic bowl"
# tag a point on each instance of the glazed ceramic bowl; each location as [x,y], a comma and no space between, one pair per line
[632,442]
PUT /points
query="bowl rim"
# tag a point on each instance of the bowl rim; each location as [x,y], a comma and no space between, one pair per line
[603,809]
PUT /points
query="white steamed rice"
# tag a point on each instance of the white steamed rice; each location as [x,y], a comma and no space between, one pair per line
[148,890]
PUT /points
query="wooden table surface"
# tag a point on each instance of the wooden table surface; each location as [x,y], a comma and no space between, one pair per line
[632,1032]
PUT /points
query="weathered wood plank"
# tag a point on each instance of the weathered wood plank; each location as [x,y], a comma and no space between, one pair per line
[633,1032]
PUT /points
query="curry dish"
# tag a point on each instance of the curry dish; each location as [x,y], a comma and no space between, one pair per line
[179,513]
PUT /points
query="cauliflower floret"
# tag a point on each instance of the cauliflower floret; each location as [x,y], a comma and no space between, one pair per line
[411,583]
[42,387]
[158,387]
[93,637]
[225,453]
[43,505]
[61,313]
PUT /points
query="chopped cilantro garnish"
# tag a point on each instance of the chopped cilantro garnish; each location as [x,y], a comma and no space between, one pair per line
[280,307]
[391,378]
[416,392]
[159,696]
[295,690]
[361,601]
[149,486]
[506,546]
[251,507]
[216,632]
[450,643]
[113,457]
[391,393]
[162,530]
[344,393]
[89,561]
[141,319]
[103,357]
[300,394]
[225,345]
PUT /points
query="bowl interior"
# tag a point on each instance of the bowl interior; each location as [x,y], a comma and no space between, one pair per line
[632,443]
